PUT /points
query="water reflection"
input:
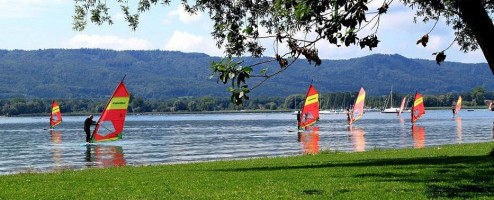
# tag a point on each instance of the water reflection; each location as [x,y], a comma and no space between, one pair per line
[56,141]
[105,156]
[309,140]
[160,139]
[358,139]
[418,134]
[458,129]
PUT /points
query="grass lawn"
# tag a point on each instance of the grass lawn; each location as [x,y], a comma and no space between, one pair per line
[451,171]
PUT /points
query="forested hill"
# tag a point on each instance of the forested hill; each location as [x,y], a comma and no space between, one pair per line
[93,73]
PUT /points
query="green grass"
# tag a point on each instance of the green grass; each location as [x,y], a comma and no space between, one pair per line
[451,171]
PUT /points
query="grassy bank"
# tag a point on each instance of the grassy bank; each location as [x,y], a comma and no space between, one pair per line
[451,171]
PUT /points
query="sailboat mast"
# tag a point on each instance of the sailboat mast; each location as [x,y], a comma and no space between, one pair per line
[391,97]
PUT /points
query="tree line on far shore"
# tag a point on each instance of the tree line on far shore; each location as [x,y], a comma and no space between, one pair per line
[338,100]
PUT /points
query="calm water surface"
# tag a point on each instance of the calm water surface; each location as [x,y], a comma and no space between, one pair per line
[159,139]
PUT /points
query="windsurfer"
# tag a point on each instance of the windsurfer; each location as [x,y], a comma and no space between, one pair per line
[87,127]
[298,118]
[454,110]
[348,116]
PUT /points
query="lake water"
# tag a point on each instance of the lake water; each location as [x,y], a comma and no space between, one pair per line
[161,139]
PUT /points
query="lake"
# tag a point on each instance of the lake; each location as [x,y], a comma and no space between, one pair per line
[176,138]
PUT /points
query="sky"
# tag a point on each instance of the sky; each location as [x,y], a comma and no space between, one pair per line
[47,24]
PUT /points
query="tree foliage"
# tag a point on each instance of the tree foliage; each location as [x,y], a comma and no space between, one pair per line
[238,28]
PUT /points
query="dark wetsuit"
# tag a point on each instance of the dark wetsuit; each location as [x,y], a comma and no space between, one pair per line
[87,128]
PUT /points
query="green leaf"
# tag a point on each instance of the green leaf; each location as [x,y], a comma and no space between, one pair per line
[264,71]
[248,30]
[230,89]
[247,69]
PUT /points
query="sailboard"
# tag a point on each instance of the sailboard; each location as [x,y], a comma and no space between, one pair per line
[418,107]
[110,125]
[458,106]
[310,110]
[56,115]
[358,107]
[402,106]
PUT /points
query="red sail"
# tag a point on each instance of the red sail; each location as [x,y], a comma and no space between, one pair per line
[110,124]
[402,107]
[56,115]
[358,108]
[418,107]
[310,111]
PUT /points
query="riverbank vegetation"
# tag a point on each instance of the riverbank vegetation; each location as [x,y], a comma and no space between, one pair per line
[449,171]
[476,98]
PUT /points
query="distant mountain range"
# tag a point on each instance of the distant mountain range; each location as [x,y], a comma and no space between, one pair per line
[93,73]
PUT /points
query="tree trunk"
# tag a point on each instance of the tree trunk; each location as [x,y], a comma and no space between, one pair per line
[476,18]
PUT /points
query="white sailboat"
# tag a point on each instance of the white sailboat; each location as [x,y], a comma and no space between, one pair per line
[391,109]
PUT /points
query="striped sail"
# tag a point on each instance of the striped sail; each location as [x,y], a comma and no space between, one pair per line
[310,111]
[358,108]
[418,107]
[458,105]
[110,124]
[56,115]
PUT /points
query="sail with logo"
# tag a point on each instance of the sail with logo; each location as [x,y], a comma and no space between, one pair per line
[110,124]
[418,107]
[310,111]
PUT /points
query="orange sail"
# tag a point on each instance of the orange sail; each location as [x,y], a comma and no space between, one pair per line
[56,115]
[418,107]
[458,105]
[110,124]
[310,111]
[402,107]
[358,108]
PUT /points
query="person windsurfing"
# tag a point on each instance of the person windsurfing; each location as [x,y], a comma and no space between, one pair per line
[87,127]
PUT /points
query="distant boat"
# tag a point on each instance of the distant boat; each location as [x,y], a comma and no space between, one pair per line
[56,115]
[358,108]
[111,123]
[310,110]
[418,107]
[391,109]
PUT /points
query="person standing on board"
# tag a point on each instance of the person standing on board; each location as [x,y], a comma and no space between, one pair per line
[348,116]
[87,127]
[298,119]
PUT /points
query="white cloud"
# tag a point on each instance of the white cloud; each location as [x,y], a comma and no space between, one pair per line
[187,42]
[107,42]
[184,16]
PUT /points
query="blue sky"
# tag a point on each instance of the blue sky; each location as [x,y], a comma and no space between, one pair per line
[44,24]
